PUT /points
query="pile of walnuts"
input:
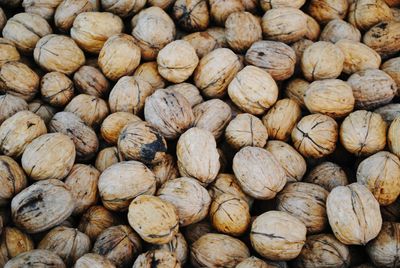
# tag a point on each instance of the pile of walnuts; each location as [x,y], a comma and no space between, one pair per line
[199,133]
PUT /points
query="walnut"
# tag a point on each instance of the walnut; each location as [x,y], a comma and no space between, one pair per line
[13,243]
[114,123]
[393,138]
[191,15]
[56,89]
[326,10]
[253,262]
[298,48]
[67,11]
[164,4]
[389,112]
[95,220]
[10,105]
[45,111]
[221,9]
[44,8]
[93,260]
[392,68]
[159,257]
[203,42]
[189,91]
[40,257]
[313,29]
[3,19]
[8,51]
[165,170]
[148,72]
[9,168]
[177,246]
[194,231]
[328,175]
[270,4]
[382,38]
[123,8]
[251,6]
[107,157]
[337,30]
[90,80]
[366,13]
[295,89]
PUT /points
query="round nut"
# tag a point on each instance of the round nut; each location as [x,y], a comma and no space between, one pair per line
[165,170]
[295,89]
[337,30]
[45,111]
[93,260]
[393,138]
[270,4]
[113,125]
[298,48]
[326,10]
[177,246]
[13,243]
[313,29]
[67,11]
[10,105]
[95,220]
[253,262]
[366,13]
[9,168]
[160,258]
[39,257]
[221,9]
[123,8]
[107,157]
[392,68]
[327,175]
[148,71]
[389,112]
[56,89]
[382,38]
[191,15]
[90,80]
[189,91]
[202,42]
[8,51]
[43,8]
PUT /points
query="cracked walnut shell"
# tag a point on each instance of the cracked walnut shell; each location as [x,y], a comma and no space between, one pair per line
[191,15]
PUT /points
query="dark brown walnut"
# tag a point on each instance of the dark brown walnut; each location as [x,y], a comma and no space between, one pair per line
[12,179]
[95,220]
[285,24]
[82,181]
[277,58]
[68,243]
[50,156]
[25,30]
[392,68]
[38,257]
[194,231]
[107,157]
[19,80]
[384,38]
[327,175]
[119,244]
[58,53]
[389,112]
[338,29]
[124,181]
[123,8]
[295,89]
[142,142]
[45,111]
[363,133]
[189,91]
[323,250]
[152,29]
[8,51]
[366,13]
[93,260]
[190,199]
[326,10]
[113,125]
[157,257]
[177,246]
[383,250]
[18,131]
[298,48]
[148,72]
[42,206]
[169,112]
[191,15]
[270,4]
[92,110]
[212,115]
[129,95]
[231,251]
[165,170]
[306,202]
[90,80]
[315,135]
[155,220]
[13,242]
[56,89]
[221,9]
[203,42]
[67,11]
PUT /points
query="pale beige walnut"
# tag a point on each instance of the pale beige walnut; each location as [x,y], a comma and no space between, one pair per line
[165,170]
[215,71]
[120,183]
[123,8]
[189,91]
[177,61]
[313,29]
[322,60]
[157,257]
[197,155]
[323,250]
[285,24]
[366,13]
[327,175]
[152,29]
[177,246]
[292,162]
[40,258]
[389,112]
[169,112]
[393,137]
[231,251]
[306,202]
[363,133]
[298,48]
[148,71]
[95,220]
[295,89]
[253,90]
[270,4]
[155,220]
[41,206]
[379,173]
[337,30]
[358,56]
[315,135]
[18,131]
[392,68]
[281,119]
[253,262]
[8,51]
[92,110]
[191,15]
[203,42]
[43,8]
[10,105]
[326,10]
[25,30]
[277,58]
[194,231]
[82,180]
[258,173]
[119,56]
[277,241]
[58,53]
[90,80]
[221,9]
[114,123]
[242,29]
[107,157]
[353,214]
[93,260]
[246,130]
[91,30]
[331,97]
[14,242]
[12,179]
[44,110]
[68,243]
[56,89]
[383,250]
[383,38]
[142,142]
[119,244]
[212,115]
[67,11]
[365,84]
[19,80]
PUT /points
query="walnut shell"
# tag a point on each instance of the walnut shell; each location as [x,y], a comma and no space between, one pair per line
[93,260]
[44,8]
[45,111]
[191,15]
[295,89]
[189,91]
[56,89]
[313,29]
[148,71]
[231,251]
[315,135]
[90,80]
[285,24]
[337,30]
[164,4]
[50,156]
[392,68]
[12,179]
[298,48]
[120,183]
[277,241]
[221,9]
[190,199]
[42,206]
[326,10]
[160,258]
[212,115]
[353,214]
[366,13]
[277,58]
[67,11]
[123,8]
[3,19]
[363,133]
[95,220]
[382,38]
[19,80]
[8,51]
[13,243]
[165,170]
[327,175]
[389,112]
[194,231]
[38,257]
[253,262]
[107,157]
[258,173]
[113,125]
[177,246]
[393,138]
[203,42]
[18,131]
[119,244]
[270,4]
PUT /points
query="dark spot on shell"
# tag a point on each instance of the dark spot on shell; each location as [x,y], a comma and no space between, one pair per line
[149,151]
